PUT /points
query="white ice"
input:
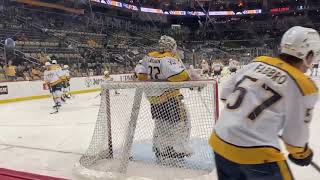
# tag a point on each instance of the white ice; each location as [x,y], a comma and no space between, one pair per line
[32,140]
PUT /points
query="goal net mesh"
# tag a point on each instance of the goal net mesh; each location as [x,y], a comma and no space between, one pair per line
[154,130]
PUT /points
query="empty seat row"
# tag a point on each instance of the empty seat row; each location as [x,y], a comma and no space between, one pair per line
[36,43]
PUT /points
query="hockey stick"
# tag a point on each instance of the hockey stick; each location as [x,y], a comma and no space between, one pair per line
[55,112]
[315,166]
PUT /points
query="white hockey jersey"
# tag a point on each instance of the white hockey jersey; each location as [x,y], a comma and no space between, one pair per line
[266,98]
[161,66]
[66,73]
[233,64]
[205,66]
[158,66]
[53,76]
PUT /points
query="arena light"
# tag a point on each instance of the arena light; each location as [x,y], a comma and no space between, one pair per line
[178,13]
[231,13]
[221,13]
[255,11]
[130,6]
[277,10]
[195,13]
[113,3]
[151,10]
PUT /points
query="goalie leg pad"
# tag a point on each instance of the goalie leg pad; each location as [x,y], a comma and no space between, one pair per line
[172,110]
[172,128]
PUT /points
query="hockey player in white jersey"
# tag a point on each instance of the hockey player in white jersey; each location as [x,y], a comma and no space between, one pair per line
[233,66]
[205,68]
[217,69]
[107,76]
[172,127]
[267,98]
[53,78]
[55,66]
[66,81]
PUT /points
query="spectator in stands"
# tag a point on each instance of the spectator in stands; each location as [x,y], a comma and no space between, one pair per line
[35,73]
[44,57]
[23,37]
[92,42]
[83,67]
[99,68]
[10,71]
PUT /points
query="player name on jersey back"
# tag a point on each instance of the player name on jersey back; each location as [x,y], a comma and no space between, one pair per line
[274,74]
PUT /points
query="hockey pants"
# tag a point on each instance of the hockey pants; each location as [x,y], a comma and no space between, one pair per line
[228,170]
[57,93]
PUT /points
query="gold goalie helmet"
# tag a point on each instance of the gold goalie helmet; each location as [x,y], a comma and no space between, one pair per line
[167,44]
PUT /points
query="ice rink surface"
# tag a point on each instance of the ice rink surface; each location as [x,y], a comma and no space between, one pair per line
[33,140]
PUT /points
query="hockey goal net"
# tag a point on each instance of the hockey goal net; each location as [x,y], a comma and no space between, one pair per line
[152,130]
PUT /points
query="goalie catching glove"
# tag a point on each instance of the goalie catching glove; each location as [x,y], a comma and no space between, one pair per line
[302,158]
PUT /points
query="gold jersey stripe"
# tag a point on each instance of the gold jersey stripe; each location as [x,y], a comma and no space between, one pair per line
[245,155]
[294,149]
[55,82]
[55,67]
[285,170]
[182,76]
[142,77]
[156,54]
[63,78]
[304,83]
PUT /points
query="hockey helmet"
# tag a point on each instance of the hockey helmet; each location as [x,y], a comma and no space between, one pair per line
[299,42]
[167,43]
[54,62]
[65,66]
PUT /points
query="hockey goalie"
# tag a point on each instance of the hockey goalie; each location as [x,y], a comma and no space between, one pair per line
[172,127]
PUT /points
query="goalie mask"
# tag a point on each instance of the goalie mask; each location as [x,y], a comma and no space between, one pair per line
[299,42]
[167,44]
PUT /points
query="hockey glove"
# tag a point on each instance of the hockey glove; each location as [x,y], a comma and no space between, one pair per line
[302,158]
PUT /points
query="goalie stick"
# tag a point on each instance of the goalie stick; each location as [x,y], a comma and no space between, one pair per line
[315,166]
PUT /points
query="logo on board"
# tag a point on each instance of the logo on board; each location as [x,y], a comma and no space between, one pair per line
[3,90]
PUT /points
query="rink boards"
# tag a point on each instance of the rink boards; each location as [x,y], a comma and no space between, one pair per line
[29,90]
